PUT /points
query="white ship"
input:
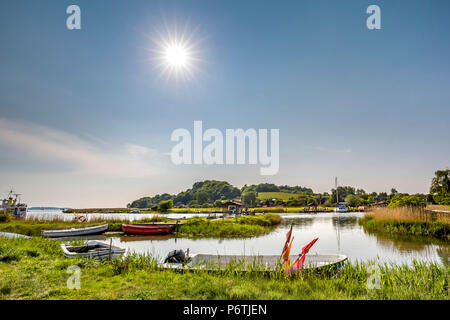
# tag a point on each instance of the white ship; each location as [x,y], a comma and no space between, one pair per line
[12,205]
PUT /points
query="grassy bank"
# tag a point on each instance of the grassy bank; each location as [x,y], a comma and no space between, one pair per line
[407,221]
[246,226]
[34,227]
[238,227]
[36,269]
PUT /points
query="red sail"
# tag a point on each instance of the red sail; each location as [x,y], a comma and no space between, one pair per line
[300,262]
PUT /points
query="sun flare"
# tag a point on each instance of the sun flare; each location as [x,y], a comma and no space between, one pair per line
[177,54]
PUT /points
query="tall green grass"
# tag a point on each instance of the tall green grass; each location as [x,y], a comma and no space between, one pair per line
[237,227]
[36,269]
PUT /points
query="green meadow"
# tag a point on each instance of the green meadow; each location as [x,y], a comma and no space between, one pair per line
[36,269]
[278,195]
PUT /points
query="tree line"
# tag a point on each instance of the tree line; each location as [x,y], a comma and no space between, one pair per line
[212,193]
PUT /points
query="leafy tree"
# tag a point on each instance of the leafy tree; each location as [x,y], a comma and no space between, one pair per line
[343,192]
[164,206]
[353,200]
[311,201]
[440,187]
[218,203]
[360,192]
[249,198]
[202,197]
[194,204]
[406,200]
[148,202]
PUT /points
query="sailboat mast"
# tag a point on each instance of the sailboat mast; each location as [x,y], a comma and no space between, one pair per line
[336,186]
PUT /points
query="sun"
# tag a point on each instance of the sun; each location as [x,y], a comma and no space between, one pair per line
[176,53]
[176,56]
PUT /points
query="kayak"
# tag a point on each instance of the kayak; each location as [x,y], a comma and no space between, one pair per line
[148,229]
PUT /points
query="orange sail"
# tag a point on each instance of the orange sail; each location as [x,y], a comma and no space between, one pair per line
[286,254]
[288,238]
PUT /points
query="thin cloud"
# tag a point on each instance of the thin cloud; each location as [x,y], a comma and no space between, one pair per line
[85,156]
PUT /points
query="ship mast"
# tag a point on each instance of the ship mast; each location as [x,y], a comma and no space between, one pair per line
[336,186]
[339,220]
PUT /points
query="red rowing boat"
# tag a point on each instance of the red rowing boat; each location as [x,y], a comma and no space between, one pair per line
[147,228]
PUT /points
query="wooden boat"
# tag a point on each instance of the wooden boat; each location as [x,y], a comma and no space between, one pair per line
[74,231]
[92,249]
[13,235]
[264,263]
[148,228]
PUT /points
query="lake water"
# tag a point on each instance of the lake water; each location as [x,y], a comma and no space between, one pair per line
[337,233]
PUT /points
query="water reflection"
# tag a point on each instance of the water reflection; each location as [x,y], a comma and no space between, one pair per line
[147,238]
[444,254]
[337,233]
[344,223]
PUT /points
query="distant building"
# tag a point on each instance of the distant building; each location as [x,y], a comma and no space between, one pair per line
[380,204]
[233,207]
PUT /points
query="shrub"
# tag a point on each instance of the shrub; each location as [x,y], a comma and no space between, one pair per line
[164,206]
[5,217]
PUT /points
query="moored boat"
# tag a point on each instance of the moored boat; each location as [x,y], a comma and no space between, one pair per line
[148,229]
[75,231]
[13,235]
[341,207]
[11,204]
[92,249]
[268,263]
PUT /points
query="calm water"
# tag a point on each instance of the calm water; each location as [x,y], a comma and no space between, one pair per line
[337,233]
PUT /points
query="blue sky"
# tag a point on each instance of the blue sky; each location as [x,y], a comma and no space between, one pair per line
[86,118]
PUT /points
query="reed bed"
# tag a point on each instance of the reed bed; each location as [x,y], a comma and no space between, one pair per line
[408,221]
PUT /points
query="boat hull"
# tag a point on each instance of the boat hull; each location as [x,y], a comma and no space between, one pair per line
[75,232]
[147,229]
[99,250]
[269,263]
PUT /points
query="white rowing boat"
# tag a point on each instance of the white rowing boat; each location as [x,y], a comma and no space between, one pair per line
[13,235]
[254,262]
[92,249]
[75,231]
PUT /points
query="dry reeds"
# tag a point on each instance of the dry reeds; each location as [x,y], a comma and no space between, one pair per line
[409,214]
